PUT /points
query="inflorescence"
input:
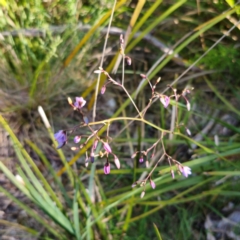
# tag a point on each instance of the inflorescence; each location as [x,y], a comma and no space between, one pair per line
[100,147]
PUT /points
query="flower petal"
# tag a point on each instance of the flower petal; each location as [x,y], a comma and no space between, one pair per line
[61,138]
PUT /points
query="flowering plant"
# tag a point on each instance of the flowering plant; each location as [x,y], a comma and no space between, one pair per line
[105,151]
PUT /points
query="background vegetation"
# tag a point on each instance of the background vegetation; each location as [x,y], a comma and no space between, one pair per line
[49,51]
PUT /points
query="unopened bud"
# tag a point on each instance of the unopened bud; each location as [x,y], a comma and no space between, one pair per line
[188,131]
[103,89]
[117,162]
[107,147]
[69,100]
[92,157]
[147,164]
[85,119]
[134,155]
[95,144]
[188,106]
[142,194]
[129,60]
[143,75]
[74,148]
[19,179]
[152,183]
[134,185]
[106,168]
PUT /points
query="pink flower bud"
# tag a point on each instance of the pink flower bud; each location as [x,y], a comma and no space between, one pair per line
[107,147]
[172,173]
[134,155]
[106,168]
[95,144]
[152,183]
[143,75]
[147,164]
[103,89]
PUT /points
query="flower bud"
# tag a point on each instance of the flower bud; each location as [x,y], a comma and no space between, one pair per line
[77,139]
[106,168]
[117,162]
[142,194]
[152,183]
[107,147]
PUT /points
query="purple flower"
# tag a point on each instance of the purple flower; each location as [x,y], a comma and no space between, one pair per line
[141,159]
[61,138]
[107,147]
[106,168]
[79,103]
[77,139]
[185,170]
[152,183]
[165,100]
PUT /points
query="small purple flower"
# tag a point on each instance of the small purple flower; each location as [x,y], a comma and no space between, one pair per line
[107,147]
[79,103]
[61,138]
[165,100]
[106,168]
[77,139]
[152,183]
[185,170]
[141,159]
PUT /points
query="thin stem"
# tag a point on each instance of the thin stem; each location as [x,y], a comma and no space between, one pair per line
[128,118]
[129,96]
[101,63]
[123,68]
